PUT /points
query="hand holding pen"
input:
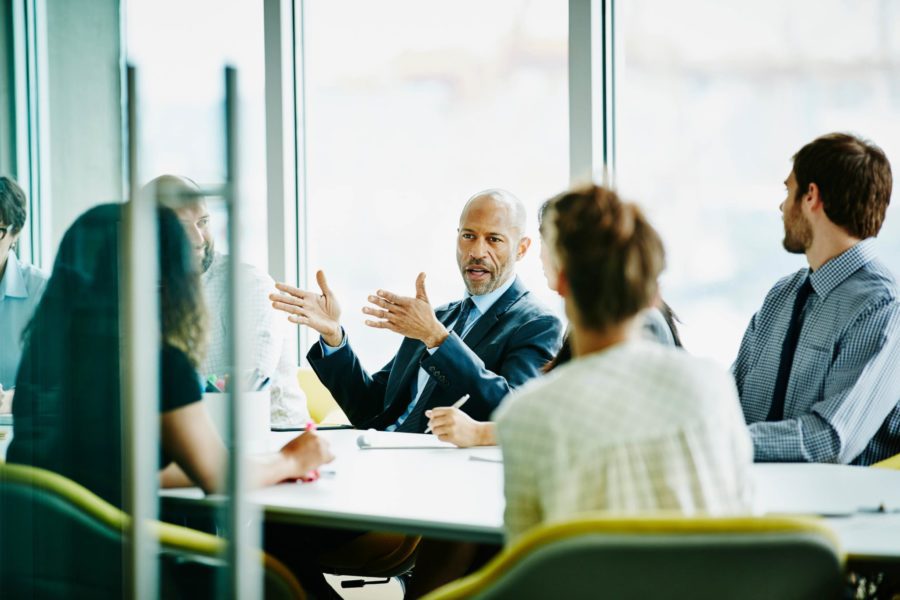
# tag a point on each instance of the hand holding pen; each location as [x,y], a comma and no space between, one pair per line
[307,452]
[457,404]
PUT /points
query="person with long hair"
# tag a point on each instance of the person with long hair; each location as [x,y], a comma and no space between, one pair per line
[68,408]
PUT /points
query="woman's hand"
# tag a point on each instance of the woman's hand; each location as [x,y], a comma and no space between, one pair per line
[305,453]
[453,425]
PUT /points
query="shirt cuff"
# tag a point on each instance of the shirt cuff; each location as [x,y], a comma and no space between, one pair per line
[329,350]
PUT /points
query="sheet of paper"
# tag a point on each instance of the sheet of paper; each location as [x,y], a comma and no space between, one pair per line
[384,440]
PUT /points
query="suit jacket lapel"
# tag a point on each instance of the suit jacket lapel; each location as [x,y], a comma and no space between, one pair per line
[486,321]
[398,387]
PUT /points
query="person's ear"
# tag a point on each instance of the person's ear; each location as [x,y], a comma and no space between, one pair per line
[813,198]
[524,245]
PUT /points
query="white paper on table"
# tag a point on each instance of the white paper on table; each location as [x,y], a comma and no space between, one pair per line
[387,440]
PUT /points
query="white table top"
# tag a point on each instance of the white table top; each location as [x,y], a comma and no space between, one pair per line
[826,490]
[456,493]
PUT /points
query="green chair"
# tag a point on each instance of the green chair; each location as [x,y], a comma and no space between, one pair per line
[59,540]
[605,556]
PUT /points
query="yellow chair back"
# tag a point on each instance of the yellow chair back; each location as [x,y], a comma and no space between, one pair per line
[322,406]
[889,463]
[669,556]
[171,537]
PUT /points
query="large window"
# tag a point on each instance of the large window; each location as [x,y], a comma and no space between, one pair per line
[411,107]
[180,50]
[714,99]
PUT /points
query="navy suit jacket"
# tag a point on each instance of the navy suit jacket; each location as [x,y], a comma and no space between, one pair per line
[506,347]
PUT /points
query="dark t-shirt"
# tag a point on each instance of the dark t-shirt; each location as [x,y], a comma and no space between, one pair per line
[70,421]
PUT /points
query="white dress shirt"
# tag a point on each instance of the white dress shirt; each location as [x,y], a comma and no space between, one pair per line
[637,427]
[273,351]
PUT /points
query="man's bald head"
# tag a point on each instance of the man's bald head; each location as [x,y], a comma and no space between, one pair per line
[491,240]
[175,191]
[502,201]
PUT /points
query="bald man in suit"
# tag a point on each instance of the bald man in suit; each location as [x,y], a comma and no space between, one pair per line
[491,341]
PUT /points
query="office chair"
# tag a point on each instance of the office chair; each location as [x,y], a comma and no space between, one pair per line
[59,540]
[604,556]
[322,406]
[889,463]
[380,555]
[373,554]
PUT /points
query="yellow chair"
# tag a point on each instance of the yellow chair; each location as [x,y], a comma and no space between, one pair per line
[59,540]
[322,406]
[604,556]
[888,463]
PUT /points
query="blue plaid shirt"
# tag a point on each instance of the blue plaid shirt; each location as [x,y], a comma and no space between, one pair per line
[841,403]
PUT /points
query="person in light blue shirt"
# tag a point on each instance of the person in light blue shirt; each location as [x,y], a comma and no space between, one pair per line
[21,286]
[818,371]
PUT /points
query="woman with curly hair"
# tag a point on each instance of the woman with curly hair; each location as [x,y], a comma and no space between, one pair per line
[68,407]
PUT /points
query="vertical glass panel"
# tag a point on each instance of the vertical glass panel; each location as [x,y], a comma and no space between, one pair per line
[714,100]
[412,107]
[180,51]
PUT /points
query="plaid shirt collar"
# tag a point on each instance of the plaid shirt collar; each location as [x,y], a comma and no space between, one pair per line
[838,269]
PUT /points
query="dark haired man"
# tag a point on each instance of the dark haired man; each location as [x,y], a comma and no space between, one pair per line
[21,287]
[818,370]
[492,341]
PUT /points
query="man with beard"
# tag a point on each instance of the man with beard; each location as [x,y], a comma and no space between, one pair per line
[483,346]
[818,371]
[273,353]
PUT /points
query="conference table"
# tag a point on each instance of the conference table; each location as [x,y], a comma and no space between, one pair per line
[415,484]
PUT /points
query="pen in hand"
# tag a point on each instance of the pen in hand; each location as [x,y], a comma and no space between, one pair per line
[457,404]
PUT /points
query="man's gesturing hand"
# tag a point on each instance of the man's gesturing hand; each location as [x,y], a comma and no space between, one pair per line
[319,311]
[410,317]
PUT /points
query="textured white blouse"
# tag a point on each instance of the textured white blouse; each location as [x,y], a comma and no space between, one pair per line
[635,428]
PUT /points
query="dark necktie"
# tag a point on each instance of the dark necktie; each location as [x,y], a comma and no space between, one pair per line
[776,410]
[463,317]
[414,422]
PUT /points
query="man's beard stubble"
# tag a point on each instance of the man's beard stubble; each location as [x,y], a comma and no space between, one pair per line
[208,255]
[797,231]
[496,277]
